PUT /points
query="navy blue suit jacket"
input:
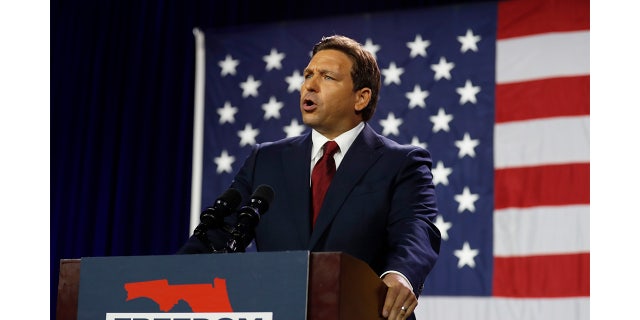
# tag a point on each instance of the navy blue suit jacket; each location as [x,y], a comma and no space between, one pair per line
[379,207]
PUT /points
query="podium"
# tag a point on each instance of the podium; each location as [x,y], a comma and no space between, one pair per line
[339,286]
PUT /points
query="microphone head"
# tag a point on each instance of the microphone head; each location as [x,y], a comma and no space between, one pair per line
[264,192]
[213,216]
[231,197]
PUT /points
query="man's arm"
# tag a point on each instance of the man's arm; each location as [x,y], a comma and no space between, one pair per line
[413,238]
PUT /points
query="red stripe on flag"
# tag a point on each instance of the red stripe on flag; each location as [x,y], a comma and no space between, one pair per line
[542,276]
[546,185]
[546,98]
[527,17]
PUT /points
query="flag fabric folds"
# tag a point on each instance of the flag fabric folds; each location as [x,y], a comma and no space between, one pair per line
[497,91]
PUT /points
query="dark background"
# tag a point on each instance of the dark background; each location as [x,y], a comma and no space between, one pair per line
[121,96]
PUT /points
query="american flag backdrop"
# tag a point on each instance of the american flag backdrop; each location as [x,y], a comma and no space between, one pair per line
[497,91]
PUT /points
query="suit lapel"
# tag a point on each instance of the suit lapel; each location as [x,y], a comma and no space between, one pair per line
[361,155]
[296,161]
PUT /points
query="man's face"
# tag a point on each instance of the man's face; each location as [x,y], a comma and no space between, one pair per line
[327,101]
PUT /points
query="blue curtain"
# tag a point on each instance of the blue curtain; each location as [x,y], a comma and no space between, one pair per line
[122,117]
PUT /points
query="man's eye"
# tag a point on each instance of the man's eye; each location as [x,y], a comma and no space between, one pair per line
[328,78]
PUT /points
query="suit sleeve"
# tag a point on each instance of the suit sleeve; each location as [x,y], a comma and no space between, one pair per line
[414,240]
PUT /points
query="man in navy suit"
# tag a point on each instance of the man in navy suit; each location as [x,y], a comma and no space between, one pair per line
[380,205]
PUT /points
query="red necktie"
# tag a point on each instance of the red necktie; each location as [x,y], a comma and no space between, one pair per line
[321,176]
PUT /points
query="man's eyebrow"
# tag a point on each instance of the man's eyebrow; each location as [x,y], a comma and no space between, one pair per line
[321,71]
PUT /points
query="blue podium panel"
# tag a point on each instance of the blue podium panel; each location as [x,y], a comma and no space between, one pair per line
[250,286]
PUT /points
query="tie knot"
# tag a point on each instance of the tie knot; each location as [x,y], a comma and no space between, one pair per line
[330,148]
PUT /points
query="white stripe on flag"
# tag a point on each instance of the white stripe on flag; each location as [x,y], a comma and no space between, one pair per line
[456,308]
[542,56]
[545,141]
[541,230]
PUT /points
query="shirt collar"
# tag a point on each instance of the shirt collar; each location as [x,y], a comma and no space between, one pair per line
[344,140]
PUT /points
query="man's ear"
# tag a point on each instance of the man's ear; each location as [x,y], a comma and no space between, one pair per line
[363,96]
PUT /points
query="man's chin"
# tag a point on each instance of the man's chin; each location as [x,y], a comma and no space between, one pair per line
[309,119]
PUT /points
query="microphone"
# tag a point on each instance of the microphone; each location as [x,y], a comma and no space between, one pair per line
[213,216]
[249,217]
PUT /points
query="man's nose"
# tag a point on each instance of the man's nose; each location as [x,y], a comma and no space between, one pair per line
[310,83]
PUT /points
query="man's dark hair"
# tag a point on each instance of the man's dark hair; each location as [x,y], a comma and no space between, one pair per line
[365,72]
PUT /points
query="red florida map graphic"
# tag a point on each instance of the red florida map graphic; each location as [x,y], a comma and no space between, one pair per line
[205,297]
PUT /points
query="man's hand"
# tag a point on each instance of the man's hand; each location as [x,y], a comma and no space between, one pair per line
[400,301]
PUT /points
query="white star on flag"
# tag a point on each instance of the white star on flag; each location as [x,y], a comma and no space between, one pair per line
[294,128]
[391,124]
[272,108]
[466,200]
[443,226]
[418,46]
[441,121]
[392,74]
[248,135]
[228,66]
[468,92]
[416,97]
[250,87]
[467,146]
[415,141]
[227,113]
[466,255]
[273,60]
[442,69]
[295,81]
[469,41]
[369,46]
[441,174]
[224,162]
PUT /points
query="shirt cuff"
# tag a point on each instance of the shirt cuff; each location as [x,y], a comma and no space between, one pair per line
[398,273]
